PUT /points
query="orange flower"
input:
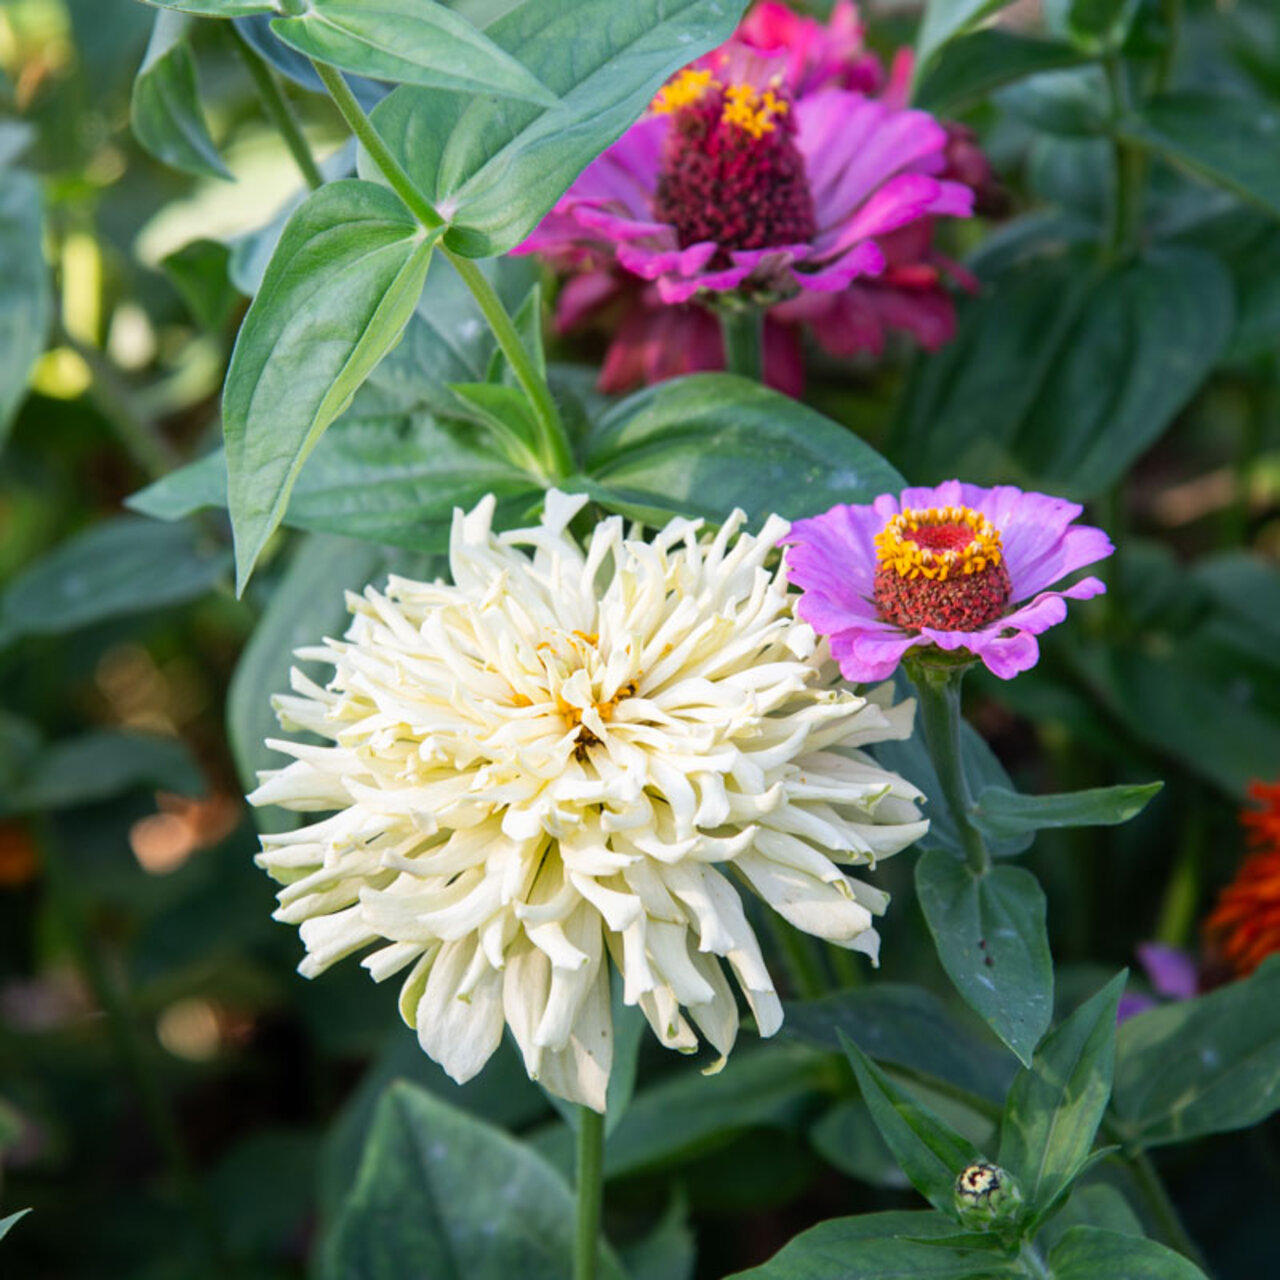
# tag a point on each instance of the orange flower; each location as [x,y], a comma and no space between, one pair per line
[18,864]
[1244,928]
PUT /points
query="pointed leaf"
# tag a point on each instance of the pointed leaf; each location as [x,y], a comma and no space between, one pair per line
[497,167]
[409,42]
[1055,1106]
[991,939]
[165,109]
[970,68]
[1088,1253]
[931,1153]
[1200,1066]
[7,1224]
[26,300]
[219,8]
[443,1194]
[944,20]
[1003,814]
[340,289]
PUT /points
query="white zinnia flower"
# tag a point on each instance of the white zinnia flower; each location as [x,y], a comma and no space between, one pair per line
[578,753]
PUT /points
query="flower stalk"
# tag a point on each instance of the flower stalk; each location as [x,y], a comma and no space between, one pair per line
[938,685]
[742,329]
[555,453]
[590,1193]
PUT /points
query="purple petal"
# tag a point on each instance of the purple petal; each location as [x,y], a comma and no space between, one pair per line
[864,657]
[1131,1004]
[1172,971]
[835,552]
[865,259]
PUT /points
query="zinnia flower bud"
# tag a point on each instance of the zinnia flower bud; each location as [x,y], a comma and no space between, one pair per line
[986,1197]
[577,757]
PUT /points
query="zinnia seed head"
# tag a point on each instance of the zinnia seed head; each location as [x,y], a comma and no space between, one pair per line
[574,756]
[942,568]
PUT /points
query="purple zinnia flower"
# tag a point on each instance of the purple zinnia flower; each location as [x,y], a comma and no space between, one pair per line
[956,566]
[1172,972]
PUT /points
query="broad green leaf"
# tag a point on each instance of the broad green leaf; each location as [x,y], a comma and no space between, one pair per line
[847,1139]
[113,569]
[1056,1104]
[15,137]
[307,605]
[494,168]
[1088,1253]
[991,939]
[165,111]
[445,1195]
[706,444]
[1003,814]
[200,271]
[7,1224]
[410,42]
[1099,26]
[968,69]
[907,1026]
[771,1087]
[1231,142]
[383,478]
[220,8]
[882,1246]
[1062,374]
[1068,103]
[100,765]
[340,289]
[668,1252]
[1092,1204]
[1200,1066]
[931,1153]
[944,20]
[26,301]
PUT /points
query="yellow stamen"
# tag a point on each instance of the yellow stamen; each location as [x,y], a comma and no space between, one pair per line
[684,90]
[898,551]
[752,111]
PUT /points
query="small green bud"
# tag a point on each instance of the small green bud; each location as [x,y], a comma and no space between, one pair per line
[986,1196]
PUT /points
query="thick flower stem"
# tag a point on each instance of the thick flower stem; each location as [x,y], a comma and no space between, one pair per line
[586,1245]
[1130,170]
[743,334]
[128,1046]
[939,689]
[556,455]
[276,105]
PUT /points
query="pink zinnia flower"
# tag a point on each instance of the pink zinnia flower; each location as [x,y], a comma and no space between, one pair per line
[956,566]
[764,170]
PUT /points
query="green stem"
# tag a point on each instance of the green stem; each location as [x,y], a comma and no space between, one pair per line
[1130,170]
[277,108]
[1033,1263]
[743,333]
[128,1046]
[1171,10]
[938,685]
[557,457]
[801,962]
[1162,1209]
[586,1245]
[1182,893]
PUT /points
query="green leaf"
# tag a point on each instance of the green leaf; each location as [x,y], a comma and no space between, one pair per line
[165,111]
[1063,373]
[881,1246]
[1092,1204]
[1201,1066]
[101,765]
[495,168]
[1056,1104]
[931,1153]
[968,69]
[410,42]
[200,271]
[907,1026]
[1070,103]
[1100,26]
[219,8]
[991,939]
[118,567]
[306,605]
[706,444]
[340,289]
[443,1194]
[7,1224]
[944,20]
[847,1139]
[1087,1253]
[1004,815]
[26,300]
[669,1251]
[1231,142]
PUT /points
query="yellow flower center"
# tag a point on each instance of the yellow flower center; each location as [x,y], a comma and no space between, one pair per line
[938,543]
[683,91]
[745,107]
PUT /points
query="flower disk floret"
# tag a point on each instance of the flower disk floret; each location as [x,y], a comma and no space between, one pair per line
[956,567]
[573,757]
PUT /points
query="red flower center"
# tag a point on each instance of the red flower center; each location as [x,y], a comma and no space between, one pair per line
[942,569]
[731,171]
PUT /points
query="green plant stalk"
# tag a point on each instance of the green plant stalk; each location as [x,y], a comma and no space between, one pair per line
[1160,1206]
[1171,10]
[129,1047]
[590,1189]
[743,332]
[1130,171]
[938,685]
[557,457]
[799,957]
[277,108]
